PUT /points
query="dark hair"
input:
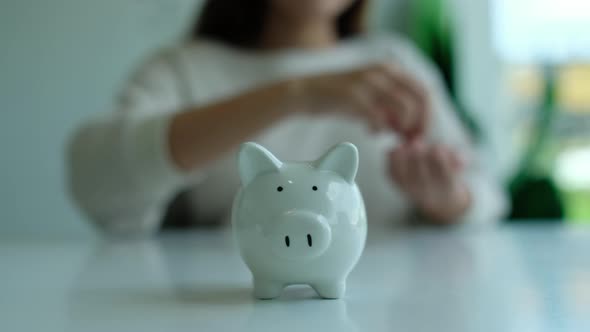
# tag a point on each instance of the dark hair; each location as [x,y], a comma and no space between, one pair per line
[240,23]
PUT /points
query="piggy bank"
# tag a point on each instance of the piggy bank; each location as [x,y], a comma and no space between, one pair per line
[299,222]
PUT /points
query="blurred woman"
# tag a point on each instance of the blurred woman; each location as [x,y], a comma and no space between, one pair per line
[297,77]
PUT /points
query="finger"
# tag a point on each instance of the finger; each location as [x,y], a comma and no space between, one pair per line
[406,115]
[398,163]
[367,108]
[376,85]
[417,94]
[418,170]
[395,108]
[425,178]
[401,110]
[408,84]
[395,73]
[441,165]
[453,157]
[457,161]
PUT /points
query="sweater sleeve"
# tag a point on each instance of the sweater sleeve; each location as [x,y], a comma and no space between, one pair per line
[120,173]
[489,200]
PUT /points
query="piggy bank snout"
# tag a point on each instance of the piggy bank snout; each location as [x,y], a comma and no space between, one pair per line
[300,235]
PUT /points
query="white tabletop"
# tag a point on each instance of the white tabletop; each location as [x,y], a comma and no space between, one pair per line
[526,278]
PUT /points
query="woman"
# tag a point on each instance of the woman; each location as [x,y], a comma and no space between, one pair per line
[296,76]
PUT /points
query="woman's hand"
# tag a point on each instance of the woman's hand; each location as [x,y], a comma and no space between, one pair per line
[430,176]
[380,94]
[383,96]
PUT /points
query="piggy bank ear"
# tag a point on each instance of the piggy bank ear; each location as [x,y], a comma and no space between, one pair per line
[254,160]
[342,159]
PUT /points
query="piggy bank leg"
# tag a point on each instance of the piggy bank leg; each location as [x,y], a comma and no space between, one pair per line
[333,289]
[266,289]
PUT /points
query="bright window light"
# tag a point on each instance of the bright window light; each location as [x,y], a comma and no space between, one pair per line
[572,170]
[547,31]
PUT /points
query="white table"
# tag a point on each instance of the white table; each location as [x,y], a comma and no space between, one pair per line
[526,278]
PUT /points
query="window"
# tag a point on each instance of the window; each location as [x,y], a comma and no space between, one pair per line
[541,44]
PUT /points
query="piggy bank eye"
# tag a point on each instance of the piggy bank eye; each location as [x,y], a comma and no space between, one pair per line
[279,188]
[314,188]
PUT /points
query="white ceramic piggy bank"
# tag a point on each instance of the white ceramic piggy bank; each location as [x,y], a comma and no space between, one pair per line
[299,222]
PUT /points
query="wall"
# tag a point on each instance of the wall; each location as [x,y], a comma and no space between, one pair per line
[61,61]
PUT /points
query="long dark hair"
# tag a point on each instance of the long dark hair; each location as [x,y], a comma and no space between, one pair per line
[240,23]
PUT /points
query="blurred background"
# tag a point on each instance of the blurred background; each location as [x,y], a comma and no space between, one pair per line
[520,77]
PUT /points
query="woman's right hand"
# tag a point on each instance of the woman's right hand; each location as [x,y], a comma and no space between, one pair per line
[380,94]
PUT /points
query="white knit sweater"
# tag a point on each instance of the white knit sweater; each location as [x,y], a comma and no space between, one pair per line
[122,177]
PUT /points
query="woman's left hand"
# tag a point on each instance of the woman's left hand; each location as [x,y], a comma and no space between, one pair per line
[430,174]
